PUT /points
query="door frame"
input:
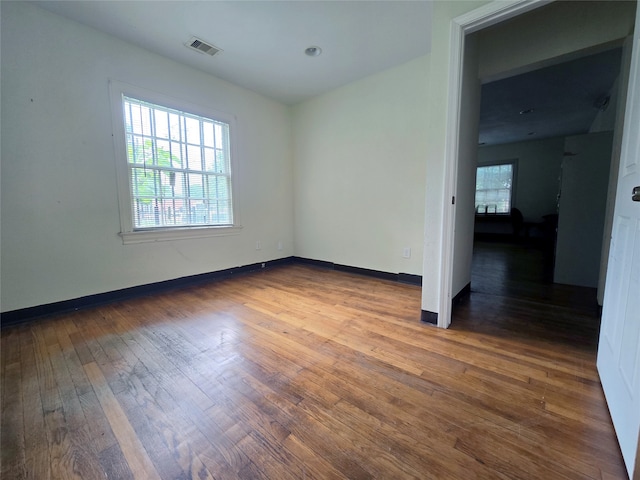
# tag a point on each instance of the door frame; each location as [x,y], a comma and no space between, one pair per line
[470,22]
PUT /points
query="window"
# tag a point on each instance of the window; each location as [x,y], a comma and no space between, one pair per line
[175,179]
[494,188]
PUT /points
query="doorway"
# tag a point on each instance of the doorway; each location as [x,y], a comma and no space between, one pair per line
[618,353]
[554,127]
[458,273]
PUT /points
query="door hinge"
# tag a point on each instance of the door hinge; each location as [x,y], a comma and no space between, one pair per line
[453,200]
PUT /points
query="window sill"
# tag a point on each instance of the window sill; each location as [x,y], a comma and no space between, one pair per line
[169,234]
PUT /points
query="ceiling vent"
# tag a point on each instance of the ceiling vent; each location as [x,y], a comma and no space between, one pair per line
[203,47]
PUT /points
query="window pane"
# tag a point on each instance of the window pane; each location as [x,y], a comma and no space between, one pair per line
[221,161]
[218,136]
[223,212]
[196,186]
[198,214]
[171,170]
[174,125]
[143,182]
[194,158]
[145,120]
[171,184]
[493,188]
[145,213]
[130,149]
[163,153]
[162,124]
[135,149]
[177,154]
[136,120]
[193,130]
[218,187]
[209,159]
[167,184]
[219,212]
[207,133]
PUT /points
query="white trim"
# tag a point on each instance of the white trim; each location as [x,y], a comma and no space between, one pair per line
[483,17]
[168,234]
[496,12]
[116,91]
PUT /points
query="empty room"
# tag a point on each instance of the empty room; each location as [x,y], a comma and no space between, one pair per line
[237,240]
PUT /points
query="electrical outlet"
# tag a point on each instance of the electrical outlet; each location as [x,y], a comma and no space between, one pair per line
[406,252]
[279,244]
[258,245]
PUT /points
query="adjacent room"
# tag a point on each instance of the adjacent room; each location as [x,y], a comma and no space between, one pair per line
[244,240]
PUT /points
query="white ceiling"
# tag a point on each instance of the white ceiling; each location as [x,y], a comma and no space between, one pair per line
[263,42]
[263,45]
[563,99]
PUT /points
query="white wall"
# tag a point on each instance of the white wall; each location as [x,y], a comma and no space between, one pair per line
[60,251]
[60,219]
[538,173]
[585,179]
[439,84]
[605,120]
[359,171]
[552,32]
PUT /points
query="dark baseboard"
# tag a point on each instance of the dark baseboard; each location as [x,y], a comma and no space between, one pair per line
[432,317]
[23,315]
[410,278]
[462,294]
[429,317]
[315,263]
[394,277]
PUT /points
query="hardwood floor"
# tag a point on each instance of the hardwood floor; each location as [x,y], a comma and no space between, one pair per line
[514,295]
[298,372]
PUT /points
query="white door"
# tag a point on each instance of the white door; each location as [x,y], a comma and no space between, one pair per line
[619,347]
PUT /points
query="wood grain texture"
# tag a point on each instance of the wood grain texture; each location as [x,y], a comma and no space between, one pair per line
[297,372]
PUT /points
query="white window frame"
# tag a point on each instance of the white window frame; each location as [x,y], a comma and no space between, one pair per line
[128,232]
[514,176]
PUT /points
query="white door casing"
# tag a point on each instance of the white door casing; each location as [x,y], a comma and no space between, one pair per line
[619,346]
[473,21]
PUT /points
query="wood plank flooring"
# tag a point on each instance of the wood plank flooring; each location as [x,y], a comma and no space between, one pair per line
[298,372]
